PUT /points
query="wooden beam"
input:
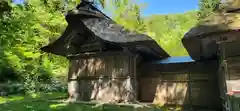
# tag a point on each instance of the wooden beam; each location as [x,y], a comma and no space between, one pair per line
[90,45]
[228,37]
[97,54]
[97,77]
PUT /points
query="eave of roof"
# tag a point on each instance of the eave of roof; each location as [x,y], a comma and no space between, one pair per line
[214,24]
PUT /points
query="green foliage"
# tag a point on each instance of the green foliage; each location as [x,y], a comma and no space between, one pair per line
[168,30]
[23,33]
[10,88]
[206,7]
[127,13]
[26,28]
[4,7]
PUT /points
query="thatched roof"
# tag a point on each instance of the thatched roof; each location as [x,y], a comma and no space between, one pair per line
[215,23]
[197,40]
[230,5]
[90,22]
[227,19]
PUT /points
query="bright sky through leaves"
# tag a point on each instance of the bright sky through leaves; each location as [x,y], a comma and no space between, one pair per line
[163,6]
[168,6]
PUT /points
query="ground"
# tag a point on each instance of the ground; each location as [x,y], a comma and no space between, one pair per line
[33,102]
[37,102]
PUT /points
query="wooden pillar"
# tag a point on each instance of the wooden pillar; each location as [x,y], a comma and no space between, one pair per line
[190,89]
[130,83]
[77,68]
[73,84]
[224,75]
[136,84]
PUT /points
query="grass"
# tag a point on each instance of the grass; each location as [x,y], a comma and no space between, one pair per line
[37,102]
[33,102]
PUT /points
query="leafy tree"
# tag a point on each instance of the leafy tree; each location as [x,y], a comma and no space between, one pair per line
[4,7]
[31,25]
[206,7]
[168,30]
[126,13]
[27,28]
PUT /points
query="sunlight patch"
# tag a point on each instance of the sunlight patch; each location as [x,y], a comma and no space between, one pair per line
[2,100]
[57,105]
[7,99]
[15,98]
[34,95]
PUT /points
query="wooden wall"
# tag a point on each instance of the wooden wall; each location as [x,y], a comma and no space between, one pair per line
[187,84]
[229,70]
[231,55]
[233,79]
[96,66]
[87,72]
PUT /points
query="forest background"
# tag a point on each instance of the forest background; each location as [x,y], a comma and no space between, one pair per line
[28,26]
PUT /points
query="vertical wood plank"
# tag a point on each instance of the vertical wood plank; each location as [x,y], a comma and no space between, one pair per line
[190,89]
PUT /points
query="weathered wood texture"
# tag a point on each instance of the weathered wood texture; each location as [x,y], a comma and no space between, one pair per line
[229,74]
[207,46]
[106,79]
[231,49]
[233,76]
[190,84]
[230,66]
[161,91]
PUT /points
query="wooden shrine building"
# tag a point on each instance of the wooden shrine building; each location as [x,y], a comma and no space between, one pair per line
[111,64]
[103,56]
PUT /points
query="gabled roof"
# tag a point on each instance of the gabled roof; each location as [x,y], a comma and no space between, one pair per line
[90,22]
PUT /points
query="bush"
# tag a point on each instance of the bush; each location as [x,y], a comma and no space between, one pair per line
[23,32]
[20,88]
